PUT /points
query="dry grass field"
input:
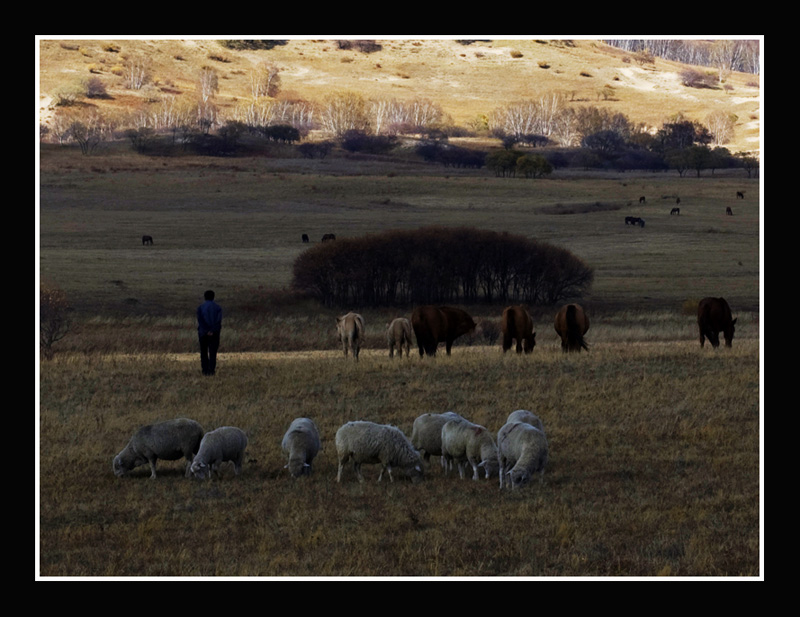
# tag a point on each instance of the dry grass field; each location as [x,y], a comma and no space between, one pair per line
[655,443]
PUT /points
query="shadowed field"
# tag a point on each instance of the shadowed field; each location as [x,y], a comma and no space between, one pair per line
[654,467]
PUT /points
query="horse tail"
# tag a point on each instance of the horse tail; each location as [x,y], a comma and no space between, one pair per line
[575,330]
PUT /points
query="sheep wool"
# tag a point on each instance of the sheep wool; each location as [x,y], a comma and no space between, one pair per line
[300,444]
[226,443]
[367,442]
[523,451]
[523,415]
[466,443]
[170,440]
[426,434]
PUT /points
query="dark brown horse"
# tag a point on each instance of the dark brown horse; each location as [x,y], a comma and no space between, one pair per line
[571,324]
[439,324]
[713,317]
[518,325]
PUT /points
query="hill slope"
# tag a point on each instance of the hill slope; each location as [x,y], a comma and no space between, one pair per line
[466,80]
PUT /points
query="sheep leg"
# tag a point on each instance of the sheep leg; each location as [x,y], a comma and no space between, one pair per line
[357,467]
[339,475]
[152,462]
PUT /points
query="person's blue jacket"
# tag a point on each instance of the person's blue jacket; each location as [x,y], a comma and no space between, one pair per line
[209,318]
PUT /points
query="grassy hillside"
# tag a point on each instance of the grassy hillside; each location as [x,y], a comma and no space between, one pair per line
[466,80]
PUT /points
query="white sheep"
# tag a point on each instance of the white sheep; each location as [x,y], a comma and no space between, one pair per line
[523,415]
[300,444]
[426,434]
[464,442]
[523,451]
[371,443]
[226,443]
[170,441]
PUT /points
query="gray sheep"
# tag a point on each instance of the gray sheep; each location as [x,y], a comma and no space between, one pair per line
[371,443]
[523,451]
[226,443]
[169,441]
[300,444]
[426,434]
[523,415]
[464,442]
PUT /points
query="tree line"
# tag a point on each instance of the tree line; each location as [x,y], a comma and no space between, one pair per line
[439,265]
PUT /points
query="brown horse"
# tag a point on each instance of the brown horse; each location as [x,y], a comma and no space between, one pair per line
[439,324]
[351,332]
[571,324]
[713,317]
[398,334]
[518,325]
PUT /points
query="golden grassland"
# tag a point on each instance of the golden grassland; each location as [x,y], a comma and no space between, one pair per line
[467,81]
[654,467]
[655,442]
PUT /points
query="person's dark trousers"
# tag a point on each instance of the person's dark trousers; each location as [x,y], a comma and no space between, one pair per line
[209,344]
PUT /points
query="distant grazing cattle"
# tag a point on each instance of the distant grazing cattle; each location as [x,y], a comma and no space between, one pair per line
[398,334]
[305,237]
[713,317]
[351,332]
[675,211]
[439,324]
[327,237]
[147,240]
[728,211]
[739,195]
[634,220]
[571,324]
[642,199]
[518,325]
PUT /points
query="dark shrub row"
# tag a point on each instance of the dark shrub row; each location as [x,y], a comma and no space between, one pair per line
[438,264]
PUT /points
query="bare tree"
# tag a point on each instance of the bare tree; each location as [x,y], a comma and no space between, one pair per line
[137,72]
[54,318]
[721,126]
[344,111]
[265,80]
[207,84]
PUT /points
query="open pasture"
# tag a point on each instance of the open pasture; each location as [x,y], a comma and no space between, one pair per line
[654,467]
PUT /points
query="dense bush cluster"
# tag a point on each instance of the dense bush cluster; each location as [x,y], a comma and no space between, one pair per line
[438,264]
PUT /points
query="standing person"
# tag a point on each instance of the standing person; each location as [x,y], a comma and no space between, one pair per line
[209,324]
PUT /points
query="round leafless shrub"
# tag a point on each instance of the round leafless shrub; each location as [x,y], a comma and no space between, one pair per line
[439,264]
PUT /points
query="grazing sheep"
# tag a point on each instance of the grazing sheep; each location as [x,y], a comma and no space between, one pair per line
[371,443]
[170,441]
[426,434]
[523,415]
[226,443]
[300,445]
[522,451]
[465,442]
[398,334]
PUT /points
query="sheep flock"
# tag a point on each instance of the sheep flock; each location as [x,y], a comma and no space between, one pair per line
[512,456]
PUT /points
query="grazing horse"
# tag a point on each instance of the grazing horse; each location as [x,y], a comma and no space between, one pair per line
[351,332]
[398,334]
[675,211]
[305,237]
[571,324]
[327,237]
[728,211]
[634,220]
[642,199]
[518,325]
[713,317]
[439,324]
[147,240]
[739,195]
